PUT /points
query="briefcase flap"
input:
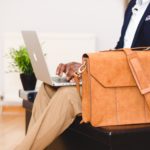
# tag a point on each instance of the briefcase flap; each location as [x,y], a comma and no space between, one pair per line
[111,69]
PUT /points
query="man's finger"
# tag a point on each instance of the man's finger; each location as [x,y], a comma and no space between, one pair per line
[72,80]
[69,75]
[60,69]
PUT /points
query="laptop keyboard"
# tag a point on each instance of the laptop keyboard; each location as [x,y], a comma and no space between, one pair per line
[59,79]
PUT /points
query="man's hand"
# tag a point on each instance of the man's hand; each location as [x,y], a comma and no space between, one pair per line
[68,69]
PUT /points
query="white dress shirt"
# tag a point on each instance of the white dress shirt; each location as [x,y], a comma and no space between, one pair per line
[137,12]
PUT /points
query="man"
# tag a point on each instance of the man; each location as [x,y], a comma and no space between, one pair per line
[56,108]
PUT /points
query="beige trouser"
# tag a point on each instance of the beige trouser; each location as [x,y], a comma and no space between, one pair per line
[54,110]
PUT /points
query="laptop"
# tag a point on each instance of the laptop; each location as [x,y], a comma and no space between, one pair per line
[39,63]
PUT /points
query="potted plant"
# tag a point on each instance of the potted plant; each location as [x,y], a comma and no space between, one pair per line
[21,62]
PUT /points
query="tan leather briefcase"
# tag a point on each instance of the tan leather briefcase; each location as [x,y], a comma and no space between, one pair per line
[116,86]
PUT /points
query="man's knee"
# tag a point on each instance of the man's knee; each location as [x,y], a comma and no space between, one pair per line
[68,91]
[69,95]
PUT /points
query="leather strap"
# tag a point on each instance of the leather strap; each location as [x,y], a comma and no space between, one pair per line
[138,74]
[77,76]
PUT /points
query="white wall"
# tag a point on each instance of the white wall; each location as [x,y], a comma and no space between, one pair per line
[1,64]
[101,17]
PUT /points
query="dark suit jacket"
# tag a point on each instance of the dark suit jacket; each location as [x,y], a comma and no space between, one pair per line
[142,36]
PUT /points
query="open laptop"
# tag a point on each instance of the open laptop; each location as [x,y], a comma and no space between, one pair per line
[38,61]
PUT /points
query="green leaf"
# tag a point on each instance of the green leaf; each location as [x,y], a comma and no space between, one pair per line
[21,60]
